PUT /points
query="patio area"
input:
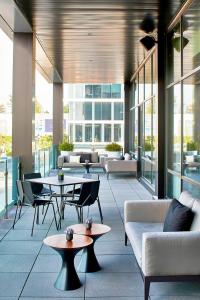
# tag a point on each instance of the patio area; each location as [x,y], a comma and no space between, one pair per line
[28,269]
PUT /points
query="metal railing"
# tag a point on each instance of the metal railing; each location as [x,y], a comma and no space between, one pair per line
[9,173]
[45,160]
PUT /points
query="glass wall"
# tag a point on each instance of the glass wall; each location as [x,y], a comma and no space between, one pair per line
[144,114]
[6,73]
[183,105]
[94,114]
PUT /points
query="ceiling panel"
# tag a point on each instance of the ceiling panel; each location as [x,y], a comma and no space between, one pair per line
[90,40]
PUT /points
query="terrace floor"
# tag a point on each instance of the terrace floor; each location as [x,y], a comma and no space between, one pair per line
[28,268]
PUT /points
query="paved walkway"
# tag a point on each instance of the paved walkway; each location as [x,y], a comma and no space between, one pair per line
[28,268]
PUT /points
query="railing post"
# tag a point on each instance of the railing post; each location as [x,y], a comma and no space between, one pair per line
[6,189]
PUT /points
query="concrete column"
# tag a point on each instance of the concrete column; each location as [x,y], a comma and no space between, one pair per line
[23,93]
[57,113]
[127,95]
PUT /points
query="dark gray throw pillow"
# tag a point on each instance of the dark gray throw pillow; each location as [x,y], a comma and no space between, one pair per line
[179,217]
[84,157]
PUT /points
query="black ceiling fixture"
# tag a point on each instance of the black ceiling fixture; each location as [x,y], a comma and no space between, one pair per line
[148,26]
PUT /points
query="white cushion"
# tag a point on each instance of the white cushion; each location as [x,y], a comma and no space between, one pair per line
[135,231]
[74,159]
[186,199]
[196,209]
[189,158]
[127,156]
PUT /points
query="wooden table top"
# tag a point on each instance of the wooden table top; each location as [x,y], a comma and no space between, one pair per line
[68,180]
[59,241]
[97,229]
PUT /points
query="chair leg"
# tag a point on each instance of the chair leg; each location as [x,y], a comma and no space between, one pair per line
[146,288]
[126,239]
[15,216]
[33,220]
[58,212]
[42,209]
[45,213]
[19,216]
[77,214]
[55,216]
[100,211]
[38,218]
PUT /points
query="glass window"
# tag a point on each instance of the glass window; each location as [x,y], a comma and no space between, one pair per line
[173,186]
[79,113]
[117,133]
[174,54]
[141,86]
[97,133]
[98,111]
[106,91]
[192,189]
[148,79]
[136,92]
[116,90]
[191,127]
[107,133]
[88,132]
[88,91]
[87,110]
[135,149]
[78,133]
[148,129]
[191,37]
[118,111]
[96,91]
[106,111]
[174,128]
[71,133]
[79,90]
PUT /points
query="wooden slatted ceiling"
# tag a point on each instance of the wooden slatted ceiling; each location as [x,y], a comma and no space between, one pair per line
[90,40]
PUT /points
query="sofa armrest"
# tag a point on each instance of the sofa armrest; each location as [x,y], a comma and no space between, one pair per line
[145,210]
[171,253]
[60,161]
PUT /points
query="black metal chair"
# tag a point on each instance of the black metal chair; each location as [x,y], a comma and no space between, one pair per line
[29,199]
[89,192]
[20,201]
[39,190]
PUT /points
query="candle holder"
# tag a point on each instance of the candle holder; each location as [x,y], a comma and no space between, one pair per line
[88,223]
[61,176]
[69,234]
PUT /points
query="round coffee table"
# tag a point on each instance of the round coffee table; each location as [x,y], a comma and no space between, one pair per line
[89,262]
[67,278]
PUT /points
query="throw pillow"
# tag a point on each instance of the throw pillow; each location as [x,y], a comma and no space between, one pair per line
[179,217]
[84,157]
[74,159]
[94,157]
[127,156]
[189,158]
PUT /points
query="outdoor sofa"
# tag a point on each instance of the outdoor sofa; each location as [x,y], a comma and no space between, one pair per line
[163,256]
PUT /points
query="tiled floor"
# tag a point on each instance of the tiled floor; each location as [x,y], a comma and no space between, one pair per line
[28,268]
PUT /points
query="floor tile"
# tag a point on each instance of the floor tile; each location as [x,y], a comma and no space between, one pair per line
[112,284]
[20,247]
[112,248]
[16,263]
[118,263]
[25,235]
[11,284]
[42,285]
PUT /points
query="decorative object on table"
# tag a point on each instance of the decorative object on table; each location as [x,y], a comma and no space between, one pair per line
[114,150]
[69,234]
[87,161]
[60,175]
[88,223]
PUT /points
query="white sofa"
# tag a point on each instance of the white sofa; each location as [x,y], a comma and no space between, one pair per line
[163,256]
[120,166]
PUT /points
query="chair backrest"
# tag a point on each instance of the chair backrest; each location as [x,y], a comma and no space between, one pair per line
[20,190]
[89,193]
[28,194]
[36,187]
[91,176]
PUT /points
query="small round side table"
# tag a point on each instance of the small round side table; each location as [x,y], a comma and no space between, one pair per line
[67,278]
[89,262]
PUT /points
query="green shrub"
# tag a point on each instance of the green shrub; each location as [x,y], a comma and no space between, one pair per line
[192,146]
[66,146]
[113,147]
[148,146]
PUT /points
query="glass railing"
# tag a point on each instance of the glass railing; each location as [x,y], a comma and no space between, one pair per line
[9,173]
[45,160]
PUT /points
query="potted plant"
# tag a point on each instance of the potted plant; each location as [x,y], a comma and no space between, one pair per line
[66,147]
[114,150]
[148,147]
[192,148]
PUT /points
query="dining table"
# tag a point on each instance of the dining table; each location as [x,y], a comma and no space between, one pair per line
[61,184]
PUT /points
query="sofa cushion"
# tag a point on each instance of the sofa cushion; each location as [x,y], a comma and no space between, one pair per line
[135,231]
[74,159]
[179,217]
[84,157]
[196,209]
[94,157]
[186,199]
